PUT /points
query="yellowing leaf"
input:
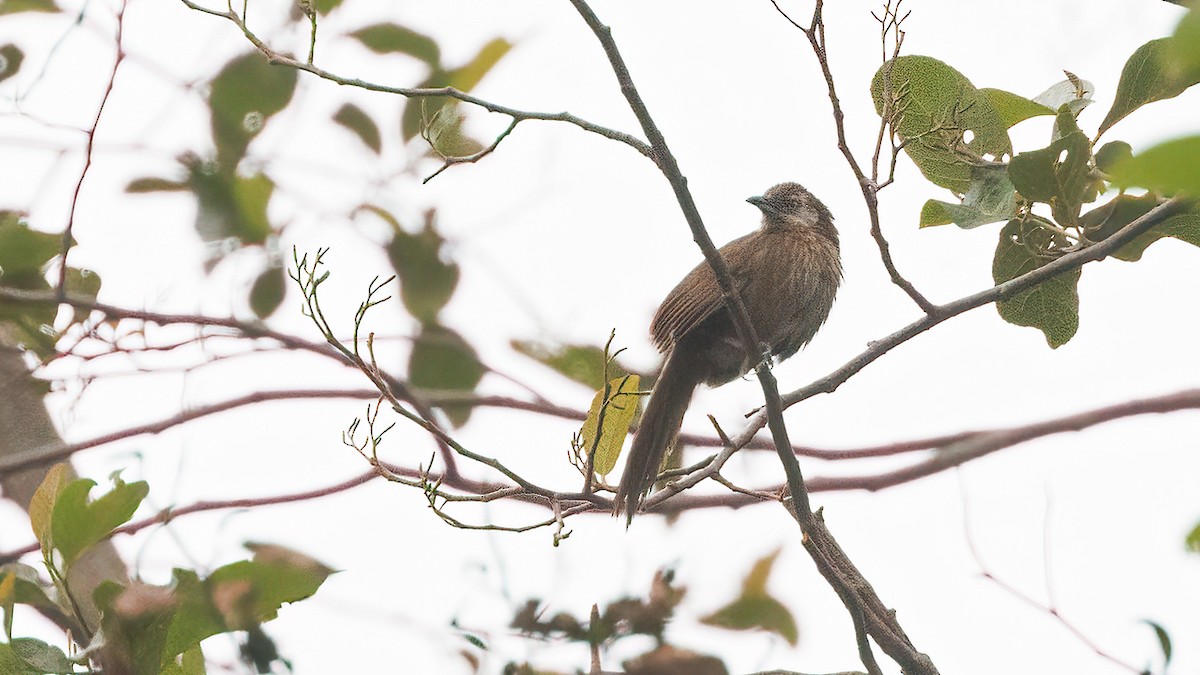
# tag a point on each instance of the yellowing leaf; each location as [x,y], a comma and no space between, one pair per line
[617,403]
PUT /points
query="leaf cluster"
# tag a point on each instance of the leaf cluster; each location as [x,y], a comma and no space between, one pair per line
[147,628]
[957,135]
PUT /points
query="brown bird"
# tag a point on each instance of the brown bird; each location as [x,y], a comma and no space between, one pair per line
[786,273]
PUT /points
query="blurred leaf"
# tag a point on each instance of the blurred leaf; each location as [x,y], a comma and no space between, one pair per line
[1184,227]
[326,6]
[1012,108]
[230,205]
[581,363]
[78,523]
[390,38]
[8,600]
[619,408]
[191,662]
[466,77]
[11,57]
[936,105]
[149,184]
[25,587]
[1173,166]
[1183,50]
[991,198]
[1192,543]
[41,657]
[442,360]
[24,252]
[1057,175]
[1103,221]
[83,283]
[426,281]
[1110,154]
[1164,640]
[1151,74]
[137,619]
[41,506]
[1051,306]
[244,95]
[1073,92]
[14,6]
[11,664]
[267,293]
[445,133]
[360,124]
[249,592]
[755,608]
[420,111]
[671,660]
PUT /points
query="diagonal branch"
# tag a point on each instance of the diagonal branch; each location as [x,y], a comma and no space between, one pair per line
[517,116]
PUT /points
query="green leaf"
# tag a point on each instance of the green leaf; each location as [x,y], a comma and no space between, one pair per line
[11,664]
[267,292]
[1164,640]
[418,112]
[1151,74]
[1051,306]
[136,620]
[82,282]
[150,184]
[1173,166]
[244,96]
[25,587]
[42,657]
[11,57]
[1192,543]
[24,252]
[426,280]
[14,6]
[442,360]
[934,105]
[581,363]
[990,199]
[191,662]
[1184,227]
[1012,108]
[755,608]
[390,38]
[619,401]
[78,524]
[326,6]
[1057,175]
[230,205]
[249,592]
[360,124]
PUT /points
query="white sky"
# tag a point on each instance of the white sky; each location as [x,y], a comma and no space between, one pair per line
[565,235]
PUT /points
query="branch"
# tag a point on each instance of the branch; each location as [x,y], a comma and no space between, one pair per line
[1004,291]
[517,116]
[67,239]
[869,187]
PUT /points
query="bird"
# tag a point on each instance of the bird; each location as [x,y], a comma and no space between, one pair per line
[786,273]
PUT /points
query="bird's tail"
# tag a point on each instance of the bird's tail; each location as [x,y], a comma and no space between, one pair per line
[660,424]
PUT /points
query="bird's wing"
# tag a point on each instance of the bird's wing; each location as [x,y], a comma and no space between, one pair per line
[692,301]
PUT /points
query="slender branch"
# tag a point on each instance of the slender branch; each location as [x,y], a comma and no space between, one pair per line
[413,92]
[868,186]
[1004,291]
[68,239]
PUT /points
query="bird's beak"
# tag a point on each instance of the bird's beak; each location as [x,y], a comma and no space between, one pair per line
[762,203]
